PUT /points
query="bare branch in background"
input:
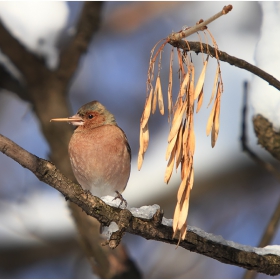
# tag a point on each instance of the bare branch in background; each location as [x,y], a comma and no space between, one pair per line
[8,82]
[46,90]
[267,136]
[244,140]
[88,24]
[271,227]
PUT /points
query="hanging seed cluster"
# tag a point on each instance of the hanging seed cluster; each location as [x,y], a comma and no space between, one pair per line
[181,138]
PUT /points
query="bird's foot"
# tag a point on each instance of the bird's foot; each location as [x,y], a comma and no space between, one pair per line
[120,197]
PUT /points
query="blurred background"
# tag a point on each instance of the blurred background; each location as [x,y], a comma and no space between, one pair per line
[232,196]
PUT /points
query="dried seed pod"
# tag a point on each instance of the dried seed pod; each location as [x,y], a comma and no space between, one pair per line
[181,138]
[140,159]
[183,231]
[216,126]
[170,166]
[214,90]
[141,149]
[154,102]
[160,98]
[191,141]
[184,86]
[191,89]
[170,147]
[199,101]
[177,122]
[182,188]
[147,109]
[179,145]
[184,209]
[178,107]
[169,92]
[155,95]
[201,79]
[192,178]
[211,119]
[145,137]
[175,219]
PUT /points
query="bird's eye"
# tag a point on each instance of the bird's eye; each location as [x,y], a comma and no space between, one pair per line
[90,116]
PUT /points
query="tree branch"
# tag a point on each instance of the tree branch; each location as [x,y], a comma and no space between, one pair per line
[223,56]
[156,228]
[27,63]
[267,136]
[201,25]
[271,227]
[47,92]
[8,82]
[88,25]
[244,142]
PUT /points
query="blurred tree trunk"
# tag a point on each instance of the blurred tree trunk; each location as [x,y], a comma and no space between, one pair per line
[47,91]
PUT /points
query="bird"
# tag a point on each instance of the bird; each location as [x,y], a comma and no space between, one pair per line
[99,151]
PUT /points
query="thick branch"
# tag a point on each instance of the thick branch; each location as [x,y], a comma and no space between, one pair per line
[223,56]
[272,225]
[261,134]
[47,92]
[267,136]
[87,26]
[10,83]
[258,259]
[27,63]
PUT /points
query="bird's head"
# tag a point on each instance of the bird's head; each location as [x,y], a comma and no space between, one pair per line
[90,115]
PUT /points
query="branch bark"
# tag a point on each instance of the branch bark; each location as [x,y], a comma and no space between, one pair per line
[261,260]
[223,56]
[267,136]
[201,25]
[88,24]
[21,56]
[46,90]
[272,225]
[8,82]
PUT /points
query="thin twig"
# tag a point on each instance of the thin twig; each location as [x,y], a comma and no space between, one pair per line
[175,36]
[223,56]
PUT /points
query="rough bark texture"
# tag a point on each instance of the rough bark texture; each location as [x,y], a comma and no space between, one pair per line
[267,136]
[196,240]
[223,56]
[46,90]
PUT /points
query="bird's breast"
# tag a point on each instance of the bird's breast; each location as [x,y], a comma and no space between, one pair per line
[100,159]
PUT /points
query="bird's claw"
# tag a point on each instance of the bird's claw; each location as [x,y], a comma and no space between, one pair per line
[120,197]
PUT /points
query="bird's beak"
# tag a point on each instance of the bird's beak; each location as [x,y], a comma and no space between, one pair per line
[74,120]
